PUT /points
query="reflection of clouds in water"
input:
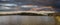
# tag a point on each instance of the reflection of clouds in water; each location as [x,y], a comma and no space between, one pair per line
[4,20]
[16,19]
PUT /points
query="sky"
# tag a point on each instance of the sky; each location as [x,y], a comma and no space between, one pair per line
[56,3]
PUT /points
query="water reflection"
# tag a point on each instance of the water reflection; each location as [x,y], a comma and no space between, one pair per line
[26,20]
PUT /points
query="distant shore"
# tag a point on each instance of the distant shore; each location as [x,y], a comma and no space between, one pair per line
[29,14]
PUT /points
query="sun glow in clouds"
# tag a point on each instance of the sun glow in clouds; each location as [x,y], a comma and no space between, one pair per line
[28,6]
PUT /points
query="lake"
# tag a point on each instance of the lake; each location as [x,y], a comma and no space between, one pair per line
[26,20]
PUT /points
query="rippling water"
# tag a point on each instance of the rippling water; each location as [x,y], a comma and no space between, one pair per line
[26,20]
